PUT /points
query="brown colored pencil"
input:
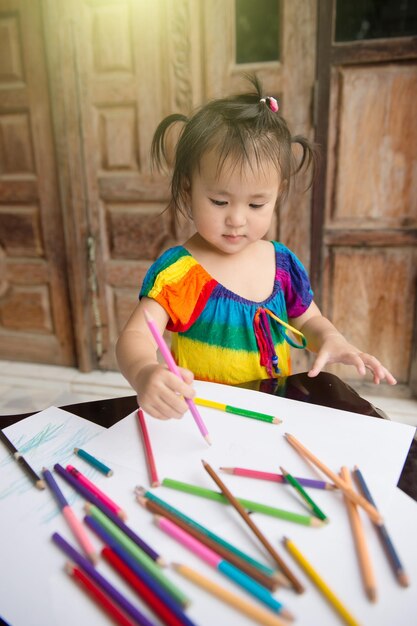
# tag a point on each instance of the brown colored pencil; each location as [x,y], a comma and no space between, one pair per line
[265,580]
[348,491]
[239,508]
[362,551]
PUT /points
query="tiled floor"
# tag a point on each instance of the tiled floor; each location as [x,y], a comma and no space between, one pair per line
[26,387]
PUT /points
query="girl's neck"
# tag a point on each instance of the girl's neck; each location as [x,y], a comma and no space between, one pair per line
[249,274]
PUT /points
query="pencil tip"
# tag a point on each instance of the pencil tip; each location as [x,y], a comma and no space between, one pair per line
[155,483]
[40,484]
[76,450]
[403,579]
[207,438]
[276,420]
[146,314]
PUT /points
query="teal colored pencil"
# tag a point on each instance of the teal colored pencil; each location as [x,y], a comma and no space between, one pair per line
[294,483]
[142,493]
[93,461]
[248,504]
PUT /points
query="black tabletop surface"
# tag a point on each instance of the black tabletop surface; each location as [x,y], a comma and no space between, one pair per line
[324,390]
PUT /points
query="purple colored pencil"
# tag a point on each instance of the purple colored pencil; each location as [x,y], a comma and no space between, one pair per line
[104,584]
[88,495]
[276,478]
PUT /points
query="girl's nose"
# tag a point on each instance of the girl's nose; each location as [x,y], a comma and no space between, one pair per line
[236,216]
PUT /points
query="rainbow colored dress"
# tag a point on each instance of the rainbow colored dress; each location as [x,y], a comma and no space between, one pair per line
[218,335]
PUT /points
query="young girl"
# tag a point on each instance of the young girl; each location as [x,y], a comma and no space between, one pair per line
[234,301]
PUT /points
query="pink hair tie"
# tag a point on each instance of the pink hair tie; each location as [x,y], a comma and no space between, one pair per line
[271,102]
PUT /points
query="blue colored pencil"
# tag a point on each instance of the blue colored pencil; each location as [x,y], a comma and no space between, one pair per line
[383,533]
[101,467]
[107,587]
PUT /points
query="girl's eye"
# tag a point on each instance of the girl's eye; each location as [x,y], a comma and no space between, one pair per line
[256,206]
[218,202]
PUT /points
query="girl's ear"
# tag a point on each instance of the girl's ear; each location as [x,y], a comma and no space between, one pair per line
[186,196]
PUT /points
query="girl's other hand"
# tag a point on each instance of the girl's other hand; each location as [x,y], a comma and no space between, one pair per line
[335,349]
[161,393]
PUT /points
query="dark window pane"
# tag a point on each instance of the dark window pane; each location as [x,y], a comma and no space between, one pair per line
[375,19]
[257,30]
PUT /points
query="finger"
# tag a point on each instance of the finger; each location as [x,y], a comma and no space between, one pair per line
[319,363]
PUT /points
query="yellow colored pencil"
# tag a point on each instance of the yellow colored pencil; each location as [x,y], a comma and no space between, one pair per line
[260,615]
[365,563]
[319,582]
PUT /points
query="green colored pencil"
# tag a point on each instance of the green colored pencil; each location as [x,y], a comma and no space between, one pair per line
[248,504]
[130,546]
[263,417]
[313,506]
[141,492]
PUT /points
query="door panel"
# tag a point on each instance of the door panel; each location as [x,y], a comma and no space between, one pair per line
[35,320]
[364,230]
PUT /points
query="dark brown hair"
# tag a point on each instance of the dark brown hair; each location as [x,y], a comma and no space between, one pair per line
[241,127]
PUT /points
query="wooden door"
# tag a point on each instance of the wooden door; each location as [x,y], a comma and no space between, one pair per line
[35,315]
[117,68]
[364,230]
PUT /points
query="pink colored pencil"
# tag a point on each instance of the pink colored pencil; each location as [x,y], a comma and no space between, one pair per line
[173,367]
[96,491]
[150,460]
[276,478]
[73,522]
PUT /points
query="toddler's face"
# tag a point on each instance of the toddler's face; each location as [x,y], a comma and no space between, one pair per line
[233,207]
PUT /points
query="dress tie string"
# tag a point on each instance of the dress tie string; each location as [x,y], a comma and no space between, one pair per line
[268,356]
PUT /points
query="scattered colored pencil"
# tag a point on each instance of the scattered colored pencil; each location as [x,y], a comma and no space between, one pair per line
[276,478]
[89,458]
[258,614]
[264,541]
[90,497]
[96,491]
[310,502]
[150,460]
[251,505]
[108,516]
[100,580]
[173,367]
[348,491]
[153,584]
[98,595]
[74,523]
[263,417]
[142,493]
[385,539]
[109,535]
[365,564]
[319,582]
[144,592]
[223,566]
[267,581]
[20,459]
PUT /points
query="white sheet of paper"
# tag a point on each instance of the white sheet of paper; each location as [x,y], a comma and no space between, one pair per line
[38,591]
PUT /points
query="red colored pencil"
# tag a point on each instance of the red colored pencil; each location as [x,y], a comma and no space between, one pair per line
[147,595]
[98,595]
[153,474]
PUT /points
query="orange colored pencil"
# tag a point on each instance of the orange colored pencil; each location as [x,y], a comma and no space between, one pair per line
[358,533]
[349,492]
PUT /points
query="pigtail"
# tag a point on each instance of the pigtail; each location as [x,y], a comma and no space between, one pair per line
[309,157]
[159,149]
